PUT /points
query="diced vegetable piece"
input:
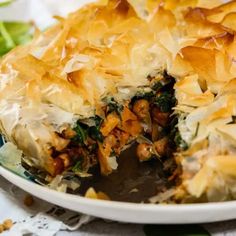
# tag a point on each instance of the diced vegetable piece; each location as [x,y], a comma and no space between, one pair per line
[110,123]
[127,114]
[103,155]
[110,140]
[91,193]
[130,123]
[122,138]
[102,196]
[132,127]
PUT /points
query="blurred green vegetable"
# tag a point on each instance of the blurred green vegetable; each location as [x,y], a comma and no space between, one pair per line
[81,133]
[94,131]
[78,167]
[4,3]
[13,34]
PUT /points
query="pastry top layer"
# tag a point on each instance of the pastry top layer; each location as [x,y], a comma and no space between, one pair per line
[96,51]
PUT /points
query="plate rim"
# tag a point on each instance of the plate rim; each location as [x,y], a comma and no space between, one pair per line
[134,208]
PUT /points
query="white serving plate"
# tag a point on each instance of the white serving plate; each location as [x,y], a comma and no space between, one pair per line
[123,212]
[129,212]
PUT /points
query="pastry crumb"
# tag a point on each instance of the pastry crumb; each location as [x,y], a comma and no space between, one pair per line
[1,228]
[28,200]
[7,224]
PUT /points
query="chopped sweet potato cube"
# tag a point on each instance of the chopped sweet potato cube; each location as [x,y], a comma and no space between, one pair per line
[109,124]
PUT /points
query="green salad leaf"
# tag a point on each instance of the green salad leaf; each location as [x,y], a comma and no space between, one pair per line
[13,34]
[4,3]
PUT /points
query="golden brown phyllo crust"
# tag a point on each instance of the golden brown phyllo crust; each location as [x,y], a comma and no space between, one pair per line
[161,73]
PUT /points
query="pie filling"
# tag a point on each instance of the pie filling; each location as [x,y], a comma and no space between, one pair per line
[147,120]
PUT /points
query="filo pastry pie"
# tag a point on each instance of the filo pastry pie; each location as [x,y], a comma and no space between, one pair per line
[158,73]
